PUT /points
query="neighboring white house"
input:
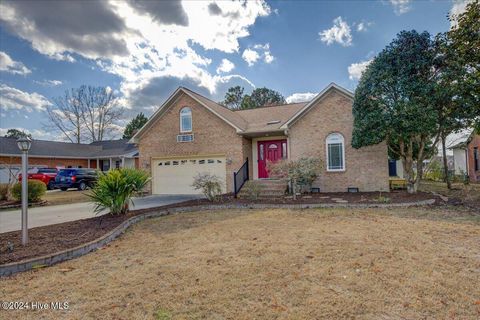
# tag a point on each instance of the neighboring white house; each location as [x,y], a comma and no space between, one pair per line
[460,156]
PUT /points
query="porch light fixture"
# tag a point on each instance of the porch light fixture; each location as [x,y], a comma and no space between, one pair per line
[24,145]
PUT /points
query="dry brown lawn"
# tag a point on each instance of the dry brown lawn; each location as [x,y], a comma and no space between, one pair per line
[66,197]
[271,264]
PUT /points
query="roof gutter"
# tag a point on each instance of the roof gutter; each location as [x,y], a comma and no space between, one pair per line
[68,157]
[263,133]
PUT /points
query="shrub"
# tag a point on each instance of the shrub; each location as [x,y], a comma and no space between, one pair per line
[4,187]
[36,189]
[461,177]
[114,189]
[210,185]
[434,171]
[300,173]
[381,198]
[252,189]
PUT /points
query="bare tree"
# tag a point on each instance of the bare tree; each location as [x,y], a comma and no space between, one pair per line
[65,116]
[100,111]
[87,113]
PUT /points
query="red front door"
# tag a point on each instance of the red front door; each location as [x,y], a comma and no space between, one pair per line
[270,151]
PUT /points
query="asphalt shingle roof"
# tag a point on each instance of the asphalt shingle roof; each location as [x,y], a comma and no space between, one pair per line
[8,146]
[270,118]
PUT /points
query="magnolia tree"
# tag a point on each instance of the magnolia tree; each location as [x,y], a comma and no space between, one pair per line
[393,102]
[301,172]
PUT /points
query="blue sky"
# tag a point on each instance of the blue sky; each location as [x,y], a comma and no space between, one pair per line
[145,50]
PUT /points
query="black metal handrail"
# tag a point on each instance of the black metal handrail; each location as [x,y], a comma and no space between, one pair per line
[240,177]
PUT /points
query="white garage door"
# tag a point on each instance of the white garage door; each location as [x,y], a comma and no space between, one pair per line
[175,176]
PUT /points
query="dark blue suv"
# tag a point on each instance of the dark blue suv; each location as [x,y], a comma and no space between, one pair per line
[75,178]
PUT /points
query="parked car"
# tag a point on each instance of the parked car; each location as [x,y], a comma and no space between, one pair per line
[75,178]
[46,175]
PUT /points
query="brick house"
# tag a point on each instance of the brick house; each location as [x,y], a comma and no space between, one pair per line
[467,157]
[189,134]
[53,154]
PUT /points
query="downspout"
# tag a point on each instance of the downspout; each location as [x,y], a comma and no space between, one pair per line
[466,163]
[288,143]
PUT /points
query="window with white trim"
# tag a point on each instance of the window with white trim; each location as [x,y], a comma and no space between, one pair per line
[186,120]
[335,152]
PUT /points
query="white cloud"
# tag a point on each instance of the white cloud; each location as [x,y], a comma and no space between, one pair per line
[7,64]
[225,66]
[459,6]
[401,6]
[300,97]
[267,57]
[340,32]
[137,41]
[88,28]
[363,26]
[49,83]
[15,99]
[250,56]
[166,51]
[355,70]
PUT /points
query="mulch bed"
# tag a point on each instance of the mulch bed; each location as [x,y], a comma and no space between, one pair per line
[53,238]
[11,204]
[356,198]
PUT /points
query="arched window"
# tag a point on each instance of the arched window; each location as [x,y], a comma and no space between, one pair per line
[335,152]
[186,120]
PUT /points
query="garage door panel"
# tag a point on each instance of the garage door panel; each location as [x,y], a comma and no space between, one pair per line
[175,176]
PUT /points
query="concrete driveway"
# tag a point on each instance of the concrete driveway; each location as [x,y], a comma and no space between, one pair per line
[10,220]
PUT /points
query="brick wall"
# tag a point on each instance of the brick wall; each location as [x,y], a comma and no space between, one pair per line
[474,143]
[366,168]
[47,162]
[212,136]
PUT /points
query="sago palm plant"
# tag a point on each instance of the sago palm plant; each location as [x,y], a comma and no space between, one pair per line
[114,189]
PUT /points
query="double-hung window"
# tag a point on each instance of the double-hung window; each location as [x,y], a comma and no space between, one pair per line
[186,120]
[335,152]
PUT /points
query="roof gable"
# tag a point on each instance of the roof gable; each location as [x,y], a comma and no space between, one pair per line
[318,97]
[227,115]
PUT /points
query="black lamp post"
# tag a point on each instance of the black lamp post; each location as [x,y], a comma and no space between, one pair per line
[24,145]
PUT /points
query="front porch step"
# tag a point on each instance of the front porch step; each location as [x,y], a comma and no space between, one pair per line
[270,188]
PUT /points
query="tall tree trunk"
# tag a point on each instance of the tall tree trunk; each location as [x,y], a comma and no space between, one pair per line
[419,174]
[408,173]
[407,162]
[420,158]
[445,163]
